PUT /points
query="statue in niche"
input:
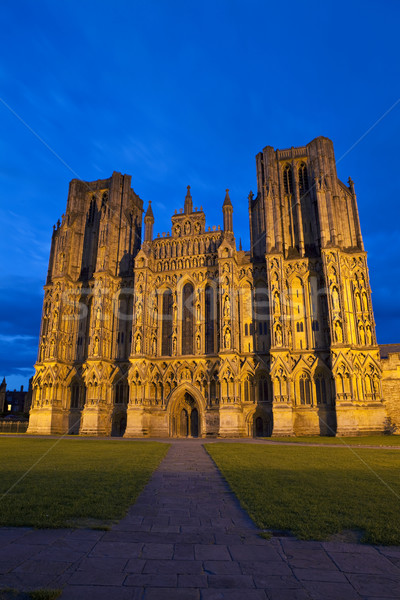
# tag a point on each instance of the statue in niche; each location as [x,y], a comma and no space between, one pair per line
[154,346]
[96,345]
[362,334]
[178,230]
[278,335]
[290,337]
[55,320]
[187,228]
[227,308]
[198,311]
[98,318]
[369,335]
[277,304]
[155,313]
[198,342]
[139,308]
[138,344]
[338,332]
[174,345]
[197,228]
[335,300]
[227,338]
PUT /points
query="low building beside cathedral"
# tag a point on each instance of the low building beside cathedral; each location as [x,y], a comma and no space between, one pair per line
[184,334]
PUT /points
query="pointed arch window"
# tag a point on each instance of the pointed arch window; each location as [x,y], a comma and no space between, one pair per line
[305,390]
[121,392]
[167,303]
[263,390]
[303,179]
[187,319]
[320,389]
[210,319]
[288,179]
[75,389]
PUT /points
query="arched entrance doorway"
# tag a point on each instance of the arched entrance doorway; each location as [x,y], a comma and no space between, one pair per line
[185,420]
[118,425]
[261,424]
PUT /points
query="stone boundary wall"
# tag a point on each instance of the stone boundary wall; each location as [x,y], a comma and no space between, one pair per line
[391,388]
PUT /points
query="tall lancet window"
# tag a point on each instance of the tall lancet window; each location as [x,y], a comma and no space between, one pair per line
[288,179]
[303,179]
[167,304]
[210,320]
[187,319]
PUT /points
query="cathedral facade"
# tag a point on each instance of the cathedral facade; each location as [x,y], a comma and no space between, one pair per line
[186,335]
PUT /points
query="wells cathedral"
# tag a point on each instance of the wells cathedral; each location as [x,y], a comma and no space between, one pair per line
[186,335]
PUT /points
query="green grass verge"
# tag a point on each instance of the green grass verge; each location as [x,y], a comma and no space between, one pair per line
[367,440]
[82,483]
[315,492]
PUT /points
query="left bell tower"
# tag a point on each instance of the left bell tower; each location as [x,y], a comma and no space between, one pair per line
[86,308]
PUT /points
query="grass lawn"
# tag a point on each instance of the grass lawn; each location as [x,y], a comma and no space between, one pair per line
[75,482]
[367,440]
[315,492]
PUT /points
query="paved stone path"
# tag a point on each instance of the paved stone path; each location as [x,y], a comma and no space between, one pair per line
[187,538]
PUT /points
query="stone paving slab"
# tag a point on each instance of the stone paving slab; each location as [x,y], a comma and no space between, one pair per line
[187,538]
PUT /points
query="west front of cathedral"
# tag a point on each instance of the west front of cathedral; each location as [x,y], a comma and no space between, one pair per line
[186,335]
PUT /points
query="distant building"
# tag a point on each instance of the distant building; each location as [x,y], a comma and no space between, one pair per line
[14,402]
[185,335]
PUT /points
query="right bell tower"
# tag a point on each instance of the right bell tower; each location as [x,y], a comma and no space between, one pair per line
[325,364]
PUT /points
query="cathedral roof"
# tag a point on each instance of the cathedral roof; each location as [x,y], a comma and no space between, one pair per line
[386,349]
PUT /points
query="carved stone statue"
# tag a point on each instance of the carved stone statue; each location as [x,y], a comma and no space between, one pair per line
[338,332]
[227,308]
[155,313]
[278,335]
[335,300]
[98,317]
[227,338]
[277,304]
[139,309]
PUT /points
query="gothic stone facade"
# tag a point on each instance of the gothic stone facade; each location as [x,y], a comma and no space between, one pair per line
[185,335]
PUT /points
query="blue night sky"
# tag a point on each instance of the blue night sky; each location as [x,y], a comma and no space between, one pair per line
[177,93]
